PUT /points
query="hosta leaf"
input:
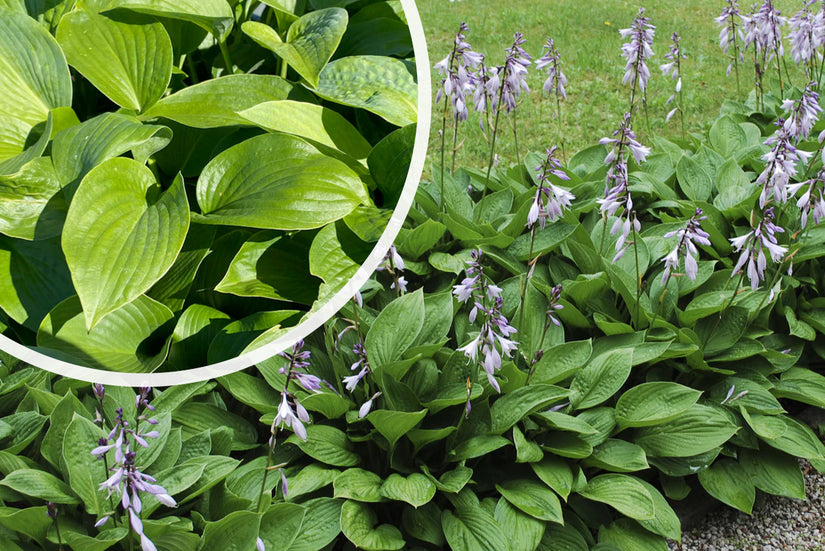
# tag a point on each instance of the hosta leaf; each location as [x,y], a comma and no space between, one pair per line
[653,403]
[329,261]
[327,445]
[389,164]
[31,206]
[218,101]
[359,485]
[727,137]
[310,41]
[194,331]
[312,477]
[359,523]
[601,378]
[214,16]
[626,535]
[532,497]
[556,473]
[622,492]
[792,436]
[802,385]
[281,524]
[120,342]
[693,180]
[774,472]
[525,531]
[247,333]
[384,342]
[696,430]
[257,269]
[79,149]
[394,424]
[35,75]
[382,85]
[514,406]
[237,531]
[562,361]
[313,122]
[618,456]
[122,234]
[322,524]
[473,529]
[31,152]
[173,288]
[277,181]
[665,523]
[129,60]
[424,523]
[41,485]
[562,538]
[416,489]
[726,481]
[84,469]
[34,278]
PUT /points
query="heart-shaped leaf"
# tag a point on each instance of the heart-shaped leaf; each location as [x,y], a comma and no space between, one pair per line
[279,182]
[360,525]
[121,234]
[31,205]
[314,122]
[416,489]
[310,41]
[129,59]
[123,341]
[382,85]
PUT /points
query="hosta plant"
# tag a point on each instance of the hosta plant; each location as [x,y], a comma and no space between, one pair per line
[179,181]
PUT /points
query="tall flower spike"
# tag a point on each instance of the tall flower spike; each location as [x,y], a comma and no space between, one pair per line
[807,31]
[730,21]
[617,200]
[688,236]
[763,29]
[780,165]
[812,201]
[672,68]
[638,50]
[456,69]
[753,245]
[551,60]
[802,114]
[550,200]
[515,73]
[394,265]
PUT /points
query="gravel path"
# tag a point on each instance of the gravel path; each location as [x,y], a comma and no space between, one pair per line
[777,524]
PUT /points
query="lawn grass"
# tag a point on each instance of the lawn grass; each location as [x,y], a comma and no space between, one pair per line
[587,36]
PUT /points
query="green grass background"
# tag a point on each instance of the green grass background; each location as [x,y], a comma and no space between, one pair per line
[587,36]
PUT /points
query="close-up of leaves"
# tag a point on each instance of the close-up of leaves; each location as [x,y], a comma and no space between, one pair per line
[181,182]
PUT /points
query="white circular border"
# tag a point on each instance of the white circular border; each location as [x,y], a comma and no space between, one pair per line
[422,65]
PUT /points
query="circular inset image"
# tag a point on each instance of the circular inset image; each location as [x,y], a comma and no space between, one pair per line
[186,190]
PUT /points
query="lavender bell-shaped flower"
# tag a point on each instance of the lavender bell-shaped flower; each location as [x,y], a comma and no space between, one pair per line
[753,245]
[688,236]
[550,200]
[456,68]
[672,68]
[551,60]
[730,21]
[515,73]
[806,35]
[638,50]
[780,165]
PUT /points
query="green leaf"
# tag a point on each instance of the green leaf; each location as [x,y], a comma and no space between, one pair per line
[384,342]
[561,361]
[281,524]
[477,446]
[31,152]
[525,532]
[203,416]
[793,437]
[802,385]
[509,409]
[31,521]
[122,341]
[562,538]
[424,523]
[35,80]
[624,493]
[382,85]
[653,403]
[627,535]
[359,523]
[719,334]
[389,163]
[601,378]
[84,470]
[666,523]
[34,279]
[321,526]
[696,430]
[727,137]
[214,16]
[329,261]
[237,531]
[277,181]
[394,424]
[117,216]
[257,269]
[774,472]
[693,180]
[527,451]
[130,61]
[618,456]
[556,473]
[327,445]
[726,481]
[40,484]
[31,206]
[218,101]
[532,497]
[359,485]
[25,426]
[545,241]
[473,529]
[79,149]
[566,444]
[312,477]
[195,330]
[310,41]
[451,482]
[416,489]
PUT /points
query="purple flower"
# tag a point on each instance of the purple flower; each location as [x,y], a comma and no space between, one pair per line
[550,200]
[259,545]
[673,68]
[691,234]
[361,363]
[551,60]
[812,201]
[763,30]
[513,76]
[780,164]
[729,21]
[555,297]
[802,113]
[638,50]
[457,83]
[365,408]
[291,414]
[394,265]
[298,359]
[807,32]
[753,245]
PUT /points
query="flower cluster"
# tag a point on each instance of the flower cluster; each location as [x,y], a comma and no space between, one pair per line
[802,113]
[806,35]
[617,200]
[551,60]
[290,412]
[688,236]
[394,265]
[763,30]
[753,245]
[638,50]
[550,200]
[730,20]
[127,480]
[812,201]
[492,341]
[513,74]
[780,165]
[673,68]
[457,83]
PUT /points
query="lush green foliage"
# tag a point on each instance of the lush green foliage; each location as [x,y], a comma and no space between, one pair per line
[180,181]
